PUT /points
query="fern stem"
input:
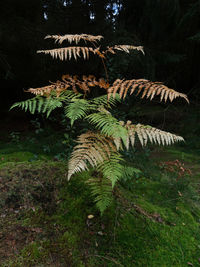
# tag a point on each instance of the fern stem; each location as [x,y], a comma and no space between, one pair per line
[105,69]
[104,65]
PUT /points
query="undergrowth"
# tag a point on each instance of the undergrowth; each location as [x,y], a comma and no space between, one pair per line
[46,221]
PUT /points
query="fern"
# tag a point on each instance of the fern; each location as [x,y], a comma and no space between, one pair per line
[50,105]
[124,48]
[130,172]
[75,38]
[150,89]
[108,125]
[148,133]
[102,191]
[77,109]
[99,149]
[67,53]
[39,104]
[29,104]
[112,168]
[68,82]
[93,148]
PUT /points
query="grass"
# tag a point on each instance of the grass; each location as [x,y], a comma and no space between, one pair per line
[153,221]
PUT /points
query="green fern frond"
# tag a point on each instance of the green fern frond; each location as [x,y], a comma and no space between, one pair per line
[101,189]
[29,104]
[68,96]
[130,172]
[112,168]
[107,124]
[39,104]
[50,105]
[103,101]
[77,109]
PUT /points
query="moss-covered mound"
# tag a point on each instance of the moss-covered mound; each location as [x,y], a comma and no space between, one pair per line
[45,220]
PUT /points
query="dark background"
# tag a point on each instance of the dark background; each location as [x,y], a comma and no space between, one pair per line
[169,30]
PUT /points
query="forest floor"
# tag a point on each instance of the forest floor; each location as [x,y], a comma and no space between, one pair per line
[153,221]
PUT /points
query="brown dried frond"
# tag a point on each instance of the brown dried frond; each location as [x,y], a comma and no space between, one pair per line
[45,90]
[124,48]
[58,87]
[150,89]
[75,38]
[103,84]
[92,148]
[86,82]
[73,82]
[66,53]
[148,133]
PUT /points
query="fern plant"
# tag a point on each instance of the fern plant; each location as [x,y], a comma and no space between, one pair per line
[101,148]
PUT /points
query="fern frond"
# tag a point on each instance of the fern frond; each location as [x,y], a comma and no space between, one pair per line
[124,48]
[99,151]
[68,95]
[39,104]
[148,133]
[69,81]
[107,124]
[66,53]
[103,101]
[130,172]
[112,168]
[50,104]
[85,83]
[77,109]
[92,148]
[29,104]
[45,90]
[101,189]
[150,89]
[75,38]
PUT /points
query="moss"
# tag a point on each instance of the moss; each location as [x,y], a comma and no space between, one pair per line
[183,155]
[21,156]
[55,229]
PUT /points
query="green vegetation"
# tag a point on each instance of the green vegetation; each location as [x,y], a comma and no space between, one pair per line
[47,221]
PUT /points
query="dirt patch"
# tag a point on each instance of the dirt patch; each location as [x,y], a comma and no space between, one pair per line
[13,236]
[23,187]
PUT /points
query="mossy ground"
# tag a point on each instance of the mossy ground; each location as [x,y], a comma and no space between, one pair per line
[153,221]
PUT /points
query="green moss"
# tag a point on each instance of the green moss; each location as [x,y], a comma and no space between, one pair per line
[21,156]
[183,155]
[148,243]
[54,214]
